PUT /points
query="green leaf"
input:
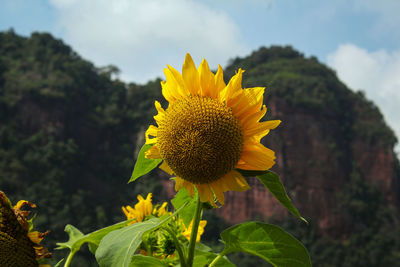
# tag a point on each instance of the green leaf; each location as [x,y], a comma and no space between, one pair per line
[74,235]
[202,247]
[274,185]
[93,247]
[203,258]
[117,248]
[140,261]
[250,173]
[143,165]
[181,198]
[268,242]
[77,239]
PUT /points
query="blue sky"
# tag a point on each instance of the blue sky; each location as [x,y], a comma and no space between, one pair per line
[360,39]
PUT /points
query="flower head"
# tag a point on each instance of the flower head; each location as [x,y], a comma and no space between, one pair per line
[208,130]
[19,245]
[160,243]
[187,231]
[144,208]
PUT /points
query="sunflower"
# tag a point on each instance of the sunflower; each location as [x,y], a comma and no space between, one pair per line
[19,245]
[159,243]
[187,231]
[144,208]
[209,130]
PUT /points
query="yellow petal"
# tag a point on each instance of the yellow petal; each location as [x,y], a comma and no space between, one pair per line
[125,211]
[247,102]
[178,183]
[206,80]
[219,81]
[205,193]
[255,156]
[254,118]
[148,207]
[189,187]
[161,113]
[174,86]
[219,192]
[152,153]
[162,210]
[151,131]
[166,91]
[233,181]
[190,76]
[260,129]
[130,209]
[22,203]
[179,81]
[200,230]
[203,223]
[234,87]
[36,237]
[165,167]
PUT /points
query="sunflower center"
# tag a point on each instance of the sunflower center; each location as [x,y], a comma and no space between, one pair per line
[200,139]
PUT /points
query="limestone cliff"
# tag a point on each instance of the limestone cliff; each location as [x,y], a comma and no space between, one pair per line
[328,132]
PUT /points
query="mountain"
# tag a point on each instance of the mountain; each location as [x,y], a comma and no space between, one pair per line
[329,135]
[69,136]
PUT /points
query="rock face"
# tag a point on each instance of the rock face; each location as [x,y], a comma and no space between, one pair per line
[327,133]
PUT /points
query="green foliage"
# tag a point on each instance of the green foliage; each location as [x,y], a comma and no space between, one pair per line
[77,238]
[202,258]
[117,247]
[266,241]
[143,165]
[140,260]
[372,232]
[67,135]
[274,185]
[272,182]
[370,124]
[183,198]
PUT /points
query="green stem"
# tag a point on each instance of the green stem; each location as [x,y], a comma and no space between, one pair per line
[178,247]
[195,227]
[149,251]
[69,259]
[216,259]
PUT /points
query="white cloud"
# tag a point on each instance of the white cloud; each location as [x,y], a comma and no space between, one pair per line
[141,37]
[377,73]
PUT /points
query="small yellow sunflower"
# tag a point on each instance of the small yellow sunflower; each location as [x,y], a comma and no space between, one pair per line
[208,130]
[144,208]
[19,245]
[187,231]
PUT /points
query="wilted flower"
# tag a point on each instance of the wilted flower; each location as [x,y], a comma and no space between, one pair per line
[19,245]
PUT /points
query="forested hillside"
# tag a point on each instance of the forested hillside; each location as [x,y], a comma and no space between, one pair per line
[69,136]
